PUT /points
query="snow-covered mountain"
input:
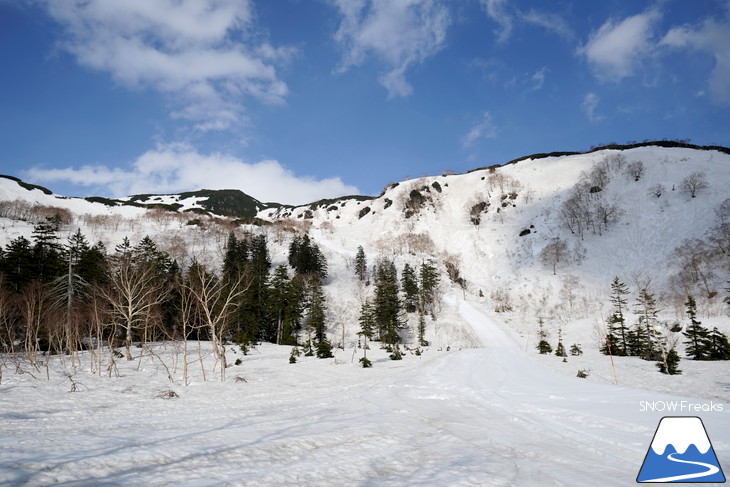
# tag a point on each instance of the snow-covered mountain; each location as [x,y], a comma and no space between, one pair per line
[488,229]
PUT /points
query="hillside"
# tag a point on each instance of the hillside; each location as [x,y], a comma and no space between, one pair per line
[478,406]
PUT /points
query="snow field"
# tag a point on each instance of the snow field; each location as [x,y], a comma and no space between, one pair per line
[487,416]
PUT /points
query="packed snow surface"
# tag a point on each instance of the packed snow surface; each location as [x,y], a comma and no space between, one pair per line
[484,416]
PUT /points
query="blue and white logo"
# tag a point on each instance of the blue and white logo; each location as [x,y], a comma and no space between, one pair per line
[681,452]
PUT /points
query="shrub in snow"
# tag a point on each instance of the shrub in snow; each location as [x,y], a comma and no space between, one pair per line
[694,183]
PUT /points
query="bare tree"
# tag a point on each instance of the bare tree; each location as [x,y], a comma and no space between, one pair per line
[616,161]
[657,190]
[134,293]
[554,252]
[597,177]
[694,183]
[635,169]
[569,289]
[35,305]
[695,263]
[723,212]
[216,300]
[8,319]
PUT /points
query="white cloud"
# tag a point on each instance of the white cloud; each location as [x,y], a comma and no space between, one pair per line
[549,21]
[538,79]
[178,167]
[497,11]
[398,33]
[483,130]
[589,105]
[713,37]
[191,50]
[615,50]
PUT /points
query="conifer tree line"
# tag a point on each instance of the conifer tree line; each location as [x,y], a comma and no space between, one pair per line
[652,339]
[384,317]
[62,297]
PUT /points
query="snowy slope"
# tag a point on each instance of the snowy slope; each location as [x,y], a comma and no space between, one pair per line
[495,414]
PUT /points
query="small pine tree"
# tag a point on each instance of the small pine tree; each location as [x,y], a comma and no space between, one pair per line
[718,345]
[367,326]
[429,281]
[617,331]
[560,349]
[324,349]
[317,318]
[361,264]
[670,366]
[645,333]
[543,346]
[388,306]
[696,345]
[409,286]
[575,350]
[422,329]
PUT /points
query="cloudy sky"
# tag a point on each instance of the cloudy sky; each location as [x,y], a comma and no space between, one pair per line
[296,100]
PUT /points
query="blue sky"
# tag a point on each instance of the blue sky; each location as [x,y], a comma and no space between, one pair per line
[295,100]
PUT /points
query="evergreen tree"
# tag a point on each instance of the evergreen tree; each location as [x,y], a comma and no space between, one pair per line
[696,345]
[47,257]
[367,329]
[146,253]
[306,258]
[18,264]
[361,264]
[92,265]
[409,285]
[422,329]
[637,340]
[317,318]
[670,365]
[388,306]
[575,350]
[429,278]
[718,345]
[617,329]
[255,319]
[124,249]
[73,284]
[560,348]
[285,305]
[236,257]
[646,336]
[543,346]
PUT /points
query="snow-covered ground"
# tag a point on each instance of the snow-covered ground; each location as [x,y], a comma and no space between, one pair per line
[483,416]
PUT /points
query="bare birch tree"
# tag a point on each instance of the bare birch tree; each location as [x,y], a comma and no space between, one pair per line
[134,293]
[216,300]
